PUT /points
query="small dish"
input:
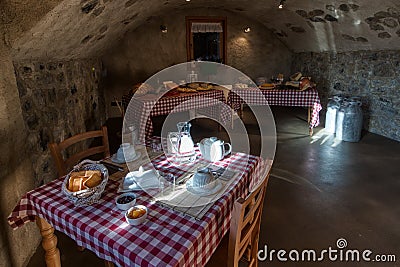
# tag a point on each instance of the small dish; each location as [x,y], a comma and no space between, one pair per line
[136,215]
[210,189]
[125,201]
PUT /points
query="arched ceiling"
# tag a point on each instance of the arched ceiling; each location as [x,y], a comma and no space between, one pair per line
[78,29]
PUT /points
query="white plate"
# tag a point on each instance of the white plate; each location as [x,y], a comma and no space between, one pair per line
[116,160]
[203,191]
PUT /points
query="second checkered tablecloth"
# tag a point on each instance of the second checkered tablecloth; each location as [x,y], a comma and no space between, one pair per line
[278,97]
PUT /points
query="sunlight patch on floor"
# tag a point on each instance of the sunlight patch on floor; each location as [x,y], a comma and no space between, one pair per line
[325,137]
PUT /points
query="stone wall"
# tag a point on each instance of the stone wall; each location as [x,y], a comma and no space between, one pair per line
[58,100]
[16,174]
[372,75]
[146,50]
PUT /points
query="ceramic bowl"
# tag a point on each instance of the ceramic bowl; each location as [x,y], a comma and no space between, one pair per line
[202,178]
[125,201]
[136,220]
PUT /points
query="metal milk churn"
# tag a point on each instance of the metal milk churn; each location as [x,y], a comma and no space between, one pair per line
[331,113]
[349,120]
[340,116]
[352,124]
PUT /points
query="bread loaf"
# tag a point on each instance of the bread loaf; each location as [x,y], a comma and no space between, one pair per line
[83,180]
[93,180]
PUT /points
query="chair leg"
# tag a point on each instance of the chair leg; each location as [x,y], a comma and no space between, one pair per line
[108,264]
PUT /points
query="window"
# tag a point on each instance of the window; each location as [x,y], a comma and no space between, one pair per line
[206,39]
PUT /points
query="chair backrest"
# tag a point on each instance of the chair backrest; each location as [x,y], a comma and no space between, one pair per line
[245,226]
[63,165]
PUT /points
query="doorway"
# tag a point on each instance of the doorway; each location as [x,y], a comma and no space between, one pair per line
[206,39]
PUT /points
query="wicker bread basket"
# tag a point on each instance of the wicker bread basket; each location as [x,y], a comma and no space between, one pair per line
[87,196]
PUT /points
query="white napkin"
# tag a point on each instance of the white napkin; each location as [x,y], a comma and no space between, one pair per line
[141,179]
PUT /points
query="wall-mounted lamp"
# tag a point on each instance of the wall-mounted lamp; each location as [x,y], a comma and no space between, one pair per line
[281,4]
[247,29]
[163,29]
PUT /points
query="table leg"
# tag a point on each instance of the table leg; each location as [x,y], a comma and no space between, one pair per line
[49,243]
[311,131]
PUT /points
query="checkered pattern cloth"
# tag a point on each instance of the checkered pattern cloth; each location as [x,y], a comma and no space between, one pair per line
[141,109]
[278,97]
[167,238]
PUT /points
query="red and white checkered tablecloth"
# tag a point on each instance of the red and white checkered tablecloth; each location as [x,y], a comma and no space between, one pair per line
[278,97]
[141,109]
[167,238]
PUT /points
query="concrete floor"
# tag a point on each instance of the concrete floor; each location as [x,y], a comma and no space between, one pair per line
[319,191]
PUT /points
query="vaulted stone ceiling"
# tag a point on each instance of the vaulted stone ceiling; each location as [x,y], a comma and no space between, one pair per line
[78,29]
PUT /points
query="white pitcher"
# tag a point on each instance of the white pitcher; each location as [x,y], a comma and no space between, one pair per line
[213,149]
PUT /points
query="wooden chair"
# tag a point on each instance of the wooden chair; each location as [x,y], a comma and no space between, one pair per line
[242,241]
[64,165]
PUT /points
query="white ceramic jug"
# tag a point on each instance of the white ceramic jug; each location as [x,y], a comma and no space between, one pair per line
[213,149]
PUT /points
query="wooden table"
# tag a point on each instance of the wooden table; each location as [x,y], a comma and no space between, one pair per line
[167,238]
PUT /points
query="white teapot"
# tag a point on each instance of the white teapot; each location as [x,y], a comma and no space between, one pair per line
[213,149]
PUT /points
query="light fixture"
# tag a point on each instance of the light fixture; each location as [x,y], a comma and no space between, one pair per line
[281,4]
[247,29]
[187,0]
[163,29]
